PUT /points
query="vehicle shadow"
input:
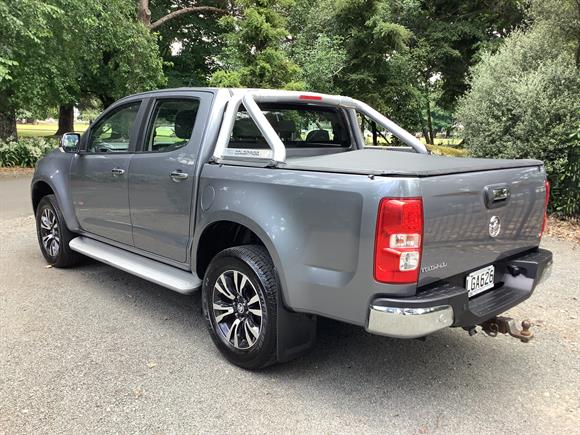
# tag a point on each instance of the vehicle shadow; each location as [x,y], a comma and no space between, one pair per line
[346,360]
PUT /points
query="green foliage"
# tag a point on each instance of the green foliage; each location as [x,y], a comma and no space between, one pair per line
[442,119]
[372,43]
[56,52]
[525,101]
[322,62]
[355,47]
[105,52]
[200,41]
[23,24]
[25,152]
[253,56]
[447,36]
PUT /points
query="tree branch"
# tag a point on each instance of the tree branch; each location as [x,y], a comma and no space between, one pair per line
[190,10]
[143,12]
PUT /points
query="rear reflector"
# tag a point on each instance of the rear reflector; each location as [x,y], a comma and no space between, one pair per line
[398,240]
[545,223]
[310,97]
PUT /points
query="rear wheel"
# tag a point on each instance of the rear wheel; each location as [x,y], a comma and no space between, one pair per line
[239,303]
[53,235]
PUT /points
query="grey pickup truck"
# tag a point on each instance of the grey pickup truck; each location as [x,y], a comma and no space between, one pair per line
[274,206]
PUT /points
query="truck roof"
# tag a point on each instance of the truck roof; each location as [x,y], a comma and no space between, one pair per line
[232,91]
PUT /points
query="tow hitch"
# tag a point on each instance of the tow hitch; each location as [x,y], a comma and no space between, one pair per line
[507,325]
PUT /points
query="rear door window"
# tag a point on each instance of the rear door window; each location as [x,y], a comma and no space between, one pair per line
[171,124]
[298,126]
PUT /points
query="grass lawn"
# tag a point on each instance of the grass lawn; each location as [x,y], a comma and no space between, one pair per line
[45,128]
[451,141]
[446,147]
[443,150]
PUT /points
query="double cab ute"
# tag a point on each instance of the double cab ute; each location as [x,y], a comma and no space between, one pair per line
[273,204]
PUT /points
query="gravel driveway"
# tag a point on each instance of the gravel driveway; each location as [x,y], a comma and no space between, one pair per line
[94,349]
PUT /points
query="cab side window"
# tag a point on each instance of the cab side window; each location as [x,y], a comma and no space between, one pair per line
[171,124]
[112,134]
[297,125]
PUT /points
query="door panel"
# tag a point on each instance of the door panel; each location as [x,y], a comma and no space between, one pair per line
[162,176]
[99,177]
[100,196]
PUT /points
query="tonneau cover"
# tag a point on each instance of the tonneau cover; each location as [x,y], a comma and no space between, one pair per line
[386,162]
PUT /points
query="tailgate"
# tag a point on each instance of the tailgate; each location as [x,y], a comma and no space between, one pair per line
[461,215]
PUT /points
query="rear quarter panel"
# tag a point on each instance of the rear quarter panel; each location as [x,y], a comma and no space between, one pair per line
[318,227]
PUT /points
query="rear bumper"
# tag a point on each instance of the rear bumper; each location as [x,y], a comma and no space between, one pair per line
[446,303]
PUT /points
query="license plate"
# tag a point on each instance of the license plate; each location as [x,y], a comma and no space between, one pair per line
[479,281]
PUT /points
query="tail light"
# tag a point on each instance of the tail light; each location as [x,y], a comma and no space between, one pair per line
[398,240]
[545,208]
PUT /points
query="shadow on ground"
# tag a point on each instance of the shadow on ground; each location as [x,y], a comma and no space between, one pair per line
[345,358]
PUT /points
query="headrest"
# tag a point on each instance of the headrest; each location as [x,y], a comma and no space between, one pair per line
[184,121]
[285,128]
[318,136]
[246,128]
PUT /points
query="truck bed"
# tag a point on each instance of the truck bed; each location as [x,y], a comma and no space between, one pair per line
[387,162]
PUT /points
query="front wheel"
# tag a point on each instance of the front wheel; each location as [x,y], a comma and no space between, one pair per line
[53,235]
[239,303]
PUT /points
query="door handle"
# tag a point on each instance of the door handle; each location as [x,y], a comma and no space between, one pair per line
[179,175]
[117,171]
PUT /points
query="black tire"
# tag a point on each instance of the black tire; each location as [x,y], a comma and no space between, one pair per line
[254,262]
[63,256]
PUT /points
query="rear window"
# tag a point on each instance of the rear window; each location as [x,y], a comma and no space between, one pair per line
[299,126]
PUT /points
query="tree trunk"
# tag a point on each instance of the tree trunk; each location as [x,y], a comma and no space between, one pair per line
[8,125]
[426,135]
[7,118]
[143,12]
[106,100]
[429,122]
[66,119]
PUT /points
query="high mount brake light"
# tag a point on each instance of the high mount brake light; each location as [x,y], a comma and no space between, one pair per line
[310,97]
[545,222]
[398,240]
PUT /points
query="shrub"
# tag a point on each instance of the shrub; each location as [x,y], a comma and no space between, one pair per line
[524,101]
[25,152]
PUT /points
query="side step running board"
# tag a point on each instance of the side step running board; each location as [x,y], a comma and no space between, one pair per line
[159,273]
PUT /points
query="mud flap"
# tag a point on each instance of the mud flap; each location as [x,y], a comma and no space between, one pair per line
[296,333]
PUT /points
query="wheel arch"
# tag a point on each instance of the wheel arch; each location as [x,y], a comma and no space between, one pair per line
[39,190]
[42,187]
[229,229]
[296,332]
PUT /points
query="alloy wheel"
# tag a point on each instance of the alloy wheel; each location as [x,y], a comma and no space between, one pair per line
[237,309]
[49,232]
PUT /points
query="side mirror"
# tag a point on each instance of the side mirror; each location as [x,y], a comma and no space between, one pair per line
[69,142]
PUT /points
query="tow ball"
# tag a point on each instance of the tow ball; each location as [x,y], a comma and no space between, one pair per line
[507,325]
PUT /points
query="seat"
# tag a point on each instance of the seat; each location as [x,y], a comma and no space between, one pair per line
[246,135]
[184,122]
[318,136]
[286,129]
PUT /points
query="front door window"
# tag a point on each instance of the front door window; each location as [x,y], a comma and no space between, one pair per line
[112,134]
